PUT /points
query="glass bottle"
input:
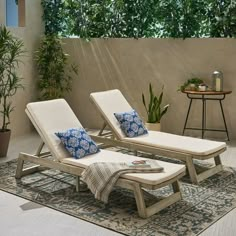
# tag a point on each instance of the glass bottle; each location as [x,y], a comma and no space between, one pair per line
[217,81]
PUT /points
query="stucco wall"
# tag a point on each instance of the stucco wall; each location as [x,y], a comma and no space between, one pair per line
[2,12]
[30,34]
[129,65]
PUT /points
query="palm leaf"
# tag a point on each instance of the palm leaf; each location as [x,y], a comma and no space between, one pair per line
[144,103]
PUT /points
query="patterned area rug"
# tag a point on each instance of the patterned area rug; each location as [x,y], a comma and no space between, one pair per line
[201,205]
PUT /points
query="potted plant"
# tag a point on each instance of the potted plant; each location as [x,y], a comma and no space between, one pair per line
[155,110]
[11,49]
[202,87]
[191,84]
[55,74]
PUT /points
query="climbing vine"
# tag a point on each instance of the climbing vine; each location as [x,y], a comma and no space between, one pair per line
[140,18]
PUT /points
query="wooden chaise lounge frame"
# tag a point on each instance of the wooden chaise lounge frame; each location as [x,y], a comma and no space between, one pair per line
[110,138]
[42,162]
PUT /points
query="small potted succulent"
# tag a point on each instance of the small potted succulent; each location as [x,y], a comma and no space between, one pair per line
[191,84]
[202,87]
[155,110]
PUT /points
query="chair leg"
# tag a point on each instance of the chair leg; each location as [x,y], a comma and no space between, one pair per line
[138,193]
[40,148]
[145,212]
[192,171]
[102,129]
[217,160]
[175,186]
[19,167]
[196,178]
[20,163]
[77,183]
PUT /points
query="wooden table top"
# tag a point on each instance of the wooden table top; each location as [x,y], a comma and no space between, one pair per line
[209,92]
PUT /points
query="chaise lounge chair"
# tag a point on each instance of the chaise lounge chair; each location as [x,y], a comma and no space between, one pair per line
[158,143]
[52,116]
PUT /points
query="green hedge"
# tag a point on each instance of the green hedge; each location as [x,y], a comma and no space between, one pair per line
[140,18]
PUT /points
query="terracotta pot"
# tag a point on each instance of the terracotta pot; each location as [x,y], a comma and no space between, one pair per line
[4,142]
[153,126]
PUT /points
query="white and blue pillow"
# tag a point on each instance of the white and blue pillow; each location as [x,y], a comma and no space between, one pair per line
[77,142]
[131,124]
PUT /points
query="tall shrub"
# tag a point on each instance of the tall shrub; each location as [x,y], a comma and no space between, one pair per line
[11,50]
[55,73]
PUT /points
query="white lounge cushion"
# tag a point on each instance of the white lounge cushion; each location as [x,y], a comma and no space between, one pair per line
[111,101]
[50,117]
[178,143]
[170,170]
[108,103]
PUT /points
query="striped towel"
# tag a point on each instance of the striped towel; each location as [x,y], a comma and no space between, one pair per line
[102,176]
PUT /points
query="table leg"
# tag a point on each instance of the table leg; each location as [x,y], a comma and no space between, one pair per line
[222,111]
[186,120]
[203,115]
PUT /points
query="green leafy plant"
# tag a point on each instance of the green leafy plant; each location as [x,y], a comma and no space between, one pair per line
[55,73]
[195,81]
[54,16]
[138,18]
[11,50]
[154,109]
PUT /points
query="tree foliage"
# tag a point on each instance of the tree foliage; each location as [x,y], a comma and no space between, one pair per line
[53,16]
[55,73]
[140,18]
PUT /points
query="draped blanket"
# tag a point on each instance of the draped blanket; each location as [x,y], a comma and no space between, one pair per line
[102,176]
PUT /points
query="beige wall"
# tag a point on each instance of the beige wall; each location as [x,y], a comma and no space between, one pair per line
[2,12]
[129,65]
[30,34]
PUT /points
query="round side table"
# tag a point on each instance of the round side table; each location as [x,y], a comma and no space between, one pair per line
[205,96]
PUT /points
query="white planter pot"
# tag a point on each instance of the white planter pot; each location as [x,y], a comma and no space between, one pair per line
[202,88]
[192,87]
[153,126]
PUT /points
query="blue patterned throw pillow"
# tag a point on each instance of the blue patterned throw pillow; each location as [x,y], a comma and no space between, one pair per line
[131,124]
[77,142]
